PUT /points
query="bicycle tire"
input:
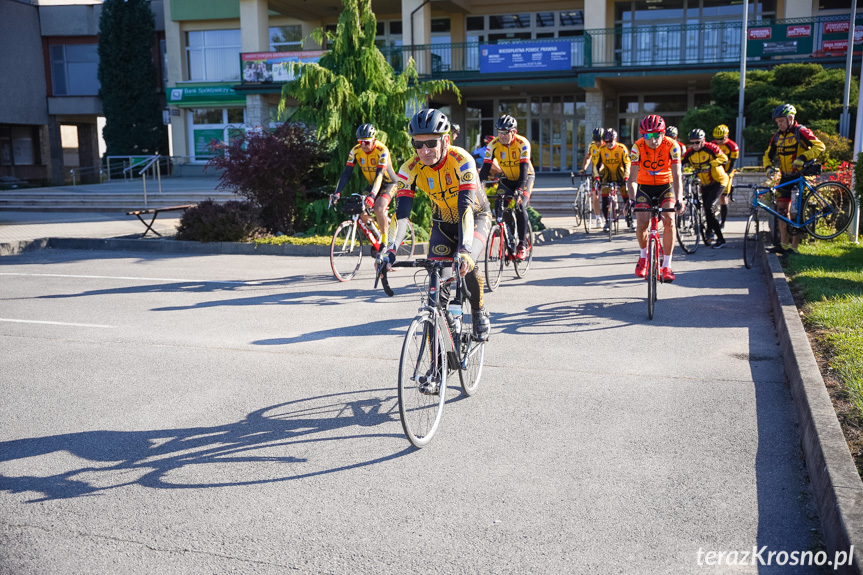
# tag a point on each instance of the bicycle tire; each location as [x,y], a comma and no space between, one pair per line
[576,209]
[750,239]
[587,212]
[471,354]
[346,253]
[494,258]
[836,204]
[652,273]
[688,229]
[521,266]
[609,222]
[422,357]
[406,249]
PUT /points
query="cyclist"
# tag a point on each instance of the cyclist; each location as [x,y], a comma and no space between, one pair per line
[793,145]
[671,132]
[612,166]
[376,165]
[732,150]
[590,160]
[512,153]
[479,153]
[461,216]
[708,160]
[655,175]
[454,132]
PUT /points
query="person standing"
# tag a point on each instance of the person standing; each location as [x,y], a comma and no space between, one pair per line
[732,151]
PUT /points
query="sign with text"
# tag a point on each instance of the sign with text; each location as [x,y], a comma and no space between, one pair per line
[760,33]
[209,94]
[526,57]
[780,40]
[261,67]
[798,31]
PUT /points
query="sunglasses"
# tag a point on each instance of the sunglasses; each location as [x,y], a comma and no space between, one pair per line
[653,135]
[696,142]
[503,132]
[365,141]
[427,143]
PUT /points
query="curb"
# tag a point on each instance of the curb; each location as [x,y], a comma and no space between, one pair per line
[832,473]
[233,248]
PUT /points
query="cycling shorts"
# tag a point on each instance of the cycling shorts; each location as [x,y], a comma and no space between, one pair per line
[387,192]
[621,188]
[647,195]
[783,194]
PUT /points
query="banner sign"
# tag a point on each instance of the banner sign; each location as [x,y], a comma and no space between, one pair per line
[780,40]
[760,33]
[261,67]
[525,57]
[210,94]
[798,31]
[784,47]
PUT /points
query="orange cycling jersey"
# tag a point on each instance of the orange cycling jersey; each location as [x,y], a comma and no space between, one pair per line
[510,157]
[369,163]
[654,166]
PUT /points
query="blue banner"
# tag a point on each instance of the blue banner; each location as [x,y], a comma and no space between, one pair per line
[526,57]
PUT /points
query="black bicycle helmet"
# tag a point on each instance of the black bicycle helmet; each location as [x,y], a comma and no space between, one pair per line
[784,111]
[366,131]
[597,134]
[506,123]
[429,121]
[696,134]
[609,135]
[671,132]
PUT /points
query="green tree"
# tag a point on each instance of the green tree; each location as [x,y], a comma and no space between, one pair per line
[127,78]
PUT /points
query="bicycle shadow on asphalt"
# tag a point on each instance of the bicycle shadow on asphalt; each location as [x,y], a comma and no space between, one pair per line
[161,459]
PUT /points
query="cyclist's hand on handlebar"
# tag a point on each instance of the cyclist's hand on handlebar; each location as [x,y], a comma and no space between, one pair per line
[798,163]
[334,198]
[466,263]
[680,205]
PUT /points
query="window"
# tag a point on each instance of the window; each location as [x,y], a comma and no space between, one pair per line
[18,146]
[74,69]
[213,55]
[286,38]
[507,21]
[509,27]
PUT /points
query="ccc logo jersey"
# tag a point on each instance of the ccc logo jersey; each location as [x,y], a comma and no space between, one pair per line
[612,164]
[654,166]
[448,184]
[369,163]
[708,161]
[510,157]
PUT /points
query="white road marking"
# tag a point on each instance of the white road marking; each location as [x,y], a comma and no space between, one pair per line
[57,323]
[129,278]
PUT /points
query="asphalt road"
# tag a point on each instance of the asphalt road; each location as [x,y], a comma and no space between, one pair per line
[237,414]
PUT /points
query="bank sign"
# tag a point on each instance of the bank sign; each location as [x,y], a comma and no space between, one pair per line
[526,57]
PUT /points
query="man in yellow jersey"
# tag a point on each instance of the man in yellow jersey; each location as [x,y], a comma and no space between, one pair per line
[613,166]
[512,154]
[590,159]
[656,177]
[708,160]
[375,163]
[732,151]
[792,145]
[461,216]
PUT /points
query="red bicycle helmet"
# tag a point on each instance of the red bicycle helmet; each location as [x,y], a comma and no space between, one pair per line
[652,123]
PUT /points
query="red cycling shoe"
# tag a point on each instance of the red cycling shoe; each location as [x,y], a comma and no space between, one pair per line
[667,275]
[641,268]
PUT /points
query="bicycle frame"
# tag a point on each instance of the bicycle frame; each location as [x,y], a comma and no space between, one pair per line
[803,188]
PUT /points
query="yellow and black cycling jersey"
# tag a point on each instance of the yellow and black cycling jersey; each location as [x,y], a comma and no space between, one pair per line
[451,186]
[510,158]
[732,152]
[798,142]
[708,161]
[613,164]
[593,153]
[369,163]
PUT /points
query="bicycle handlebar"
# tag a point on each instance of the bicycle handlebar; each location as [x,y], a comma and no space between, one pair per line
[652,209]
[428,265]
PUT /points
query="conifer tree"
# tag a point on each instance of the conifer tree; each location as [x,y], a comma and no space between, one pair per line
[353,84]
[127,78]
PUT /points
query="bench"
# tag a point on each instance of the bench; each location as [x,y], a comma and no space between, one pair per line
[155,212]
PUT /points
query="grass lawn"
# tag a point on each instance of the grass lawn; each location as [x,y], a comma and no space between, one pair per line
[827,277]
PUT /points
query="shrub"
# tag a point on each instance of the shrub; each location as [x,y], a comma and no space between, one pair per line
[232,221]
[837,147]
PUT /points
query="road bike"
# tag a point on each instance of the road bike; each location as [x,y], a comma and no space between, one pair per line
[346,247]
[690,222]
[618,208]
[582,205]
[503,239]
[823,211]
[438,342]
[655,253]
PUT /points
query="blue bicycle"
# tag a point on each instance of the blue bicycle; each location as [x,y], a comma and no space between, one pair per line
[823,211]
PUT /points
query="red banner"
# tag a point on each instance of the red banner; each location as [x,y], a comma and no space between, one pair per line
[798,31]
[760,33]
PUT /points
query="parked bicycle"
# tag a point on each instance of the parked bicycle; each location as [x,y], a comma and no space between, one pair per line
[823,211]
[346,247]
[503,240]
[690,223]
[582,205]
[655,254]
[438,342]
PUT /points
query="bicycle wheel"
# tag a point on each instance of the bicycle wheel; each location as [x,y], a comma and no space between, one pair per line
[652,273]
[406,250]
[688,229]
[750,239]
[422,381]
[346,250]
[521,266]
[576,209]
[471,354]
[609,214]
[494,258]
[587,212]
[833,205]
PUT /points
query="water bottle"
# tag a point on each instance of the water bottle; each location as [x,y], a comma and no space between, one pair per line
[455,311]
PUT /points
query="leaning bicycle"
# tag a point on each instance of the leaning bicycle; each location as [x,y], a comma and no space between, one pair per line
[823,211]
[655,253]
[503,239]
[438,342]
[582,205]
[346,247]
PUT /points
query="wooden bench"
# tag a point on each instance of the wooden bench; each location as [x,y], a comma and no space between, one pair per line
[156,212]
